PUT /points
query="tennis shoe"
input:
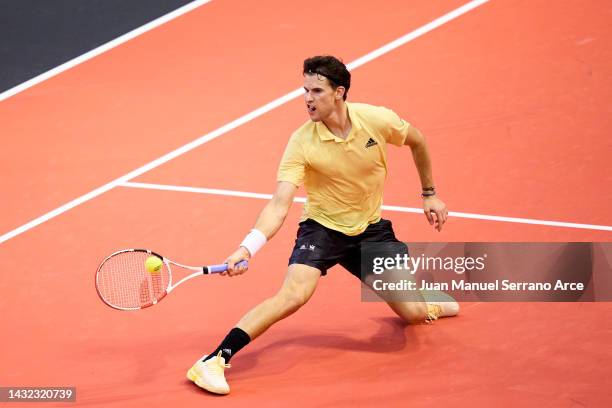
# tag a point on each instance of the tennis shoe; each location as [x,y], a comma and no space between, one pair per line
[210,374]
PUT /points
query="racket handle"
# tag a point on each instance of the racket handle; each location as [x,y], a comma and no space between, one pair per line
[221,268]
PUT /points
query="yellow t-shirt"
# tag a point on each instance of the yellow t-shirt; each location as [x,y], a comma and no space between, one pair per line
[343,178]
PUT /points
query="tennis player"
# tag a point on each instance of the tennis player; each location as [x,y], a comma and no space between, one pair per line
[340,157]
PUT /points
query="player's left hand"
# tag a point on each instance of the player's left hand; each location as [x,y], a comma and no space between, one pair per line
[435,211]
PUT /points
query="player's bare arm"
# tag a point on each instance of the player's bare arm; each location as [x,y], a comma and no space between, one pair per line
[434,208]
[269,222]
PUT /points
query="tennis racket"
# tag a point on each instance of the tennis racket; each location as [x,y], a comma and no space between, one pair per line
[123,282]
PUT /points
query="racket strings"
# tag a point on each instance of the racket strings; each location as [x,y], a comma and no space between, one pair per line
[124,282]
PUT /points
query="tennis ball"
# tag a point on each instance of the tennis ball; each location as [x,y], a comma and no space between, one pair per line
[153,264]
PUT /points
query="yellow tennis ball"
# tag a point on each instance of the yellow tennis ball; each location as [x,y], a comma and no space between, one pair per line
[153,264]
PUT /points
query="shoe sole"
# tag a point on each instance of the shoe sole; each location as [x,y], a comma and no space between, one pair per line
[196,379]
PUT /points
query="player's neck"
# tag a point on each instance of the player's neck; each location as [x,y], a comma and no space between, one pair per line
[339,122]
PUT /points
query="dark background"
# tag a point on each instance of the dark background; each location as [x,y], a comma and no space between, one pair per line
[38,35]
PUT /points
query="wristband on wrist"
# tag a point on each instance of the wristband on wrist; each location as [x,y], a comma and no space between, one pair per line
[428,192]
[254,241]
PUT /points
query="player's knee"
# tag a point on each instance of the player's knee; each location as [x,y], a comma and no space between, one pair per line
[292,300]
[418,312]
[411,312]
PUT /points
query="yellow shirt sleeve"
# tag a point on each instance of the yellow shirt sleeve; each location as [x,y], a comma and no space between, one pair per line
[293,164]
[395,128]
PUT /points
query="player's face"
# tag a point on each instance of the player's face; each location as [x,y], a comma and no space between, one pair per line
[319,96]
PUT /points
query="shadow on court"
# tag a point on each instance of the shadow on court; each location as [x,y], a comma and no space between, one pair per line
[393,335]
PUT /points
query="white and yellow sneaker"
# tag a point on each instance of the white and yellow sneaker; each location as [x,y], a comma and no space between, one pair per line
[210,374]
[439,304]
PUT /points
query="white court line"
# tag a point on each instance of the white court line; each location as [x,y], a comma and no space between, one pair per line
[237,122]
[103,48]
[245,194]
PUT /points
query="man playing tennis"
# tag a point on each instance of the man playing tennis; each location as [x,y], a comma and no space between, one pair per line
[340,157]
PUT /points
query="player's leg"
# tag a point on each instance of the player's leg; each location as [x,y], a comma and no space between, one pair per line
[419,312]
[299,285]
[412,306]
[410,312]
[316,249]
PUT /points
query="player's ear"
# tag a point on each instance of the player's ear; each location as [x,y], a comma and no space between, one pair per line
[340,92]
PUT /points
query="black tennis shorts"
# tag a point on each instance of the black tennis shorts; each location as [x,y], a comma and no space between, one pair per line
[322,248]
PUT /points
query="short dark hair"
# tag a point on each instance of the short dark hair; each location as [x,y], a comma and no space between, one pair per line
[331,68]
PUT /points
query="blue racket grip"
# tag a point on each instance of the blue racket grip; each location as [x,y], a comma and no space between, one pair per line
[222,267]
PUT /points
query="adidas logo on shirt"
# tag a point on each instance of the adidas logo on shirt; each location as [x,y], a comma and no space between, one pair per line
[371,142]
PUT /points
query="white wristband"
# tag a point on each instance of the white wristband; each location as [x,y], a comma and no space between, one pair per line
[254,241]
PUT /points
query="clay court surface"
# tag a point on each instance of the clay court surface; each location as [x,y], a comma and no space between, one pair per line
[514,99]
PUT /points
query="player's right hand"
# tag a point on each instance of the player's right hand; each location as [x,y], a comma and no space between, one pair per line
[241,254]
